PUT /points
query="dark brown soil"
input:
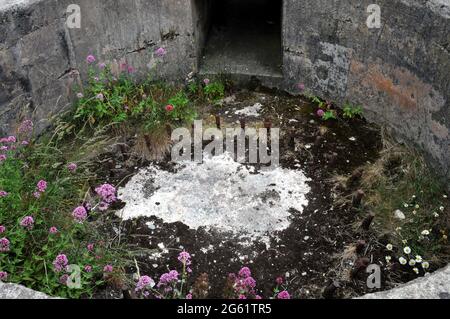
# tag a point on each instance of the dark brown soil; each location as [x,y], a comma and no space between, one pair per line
[305,254]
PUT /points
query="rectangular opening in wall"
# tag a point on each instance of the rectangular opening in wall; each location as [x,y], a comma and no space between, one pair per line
[243,37]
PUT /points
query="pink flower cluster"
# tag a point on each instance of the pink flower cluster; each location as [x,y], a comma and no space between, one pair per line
[26,127]
[3,194]
[168,279]
[4,245]
[185,258]
[244,283]
[79,214]
[72,167]
[42,186]
[108,269]
[107,193]
[53,230]
[60,263]
[160,52]
[8,139]
[144,283]
[283,295]
[3,275]
[2,229]
[90,59]
[27,222]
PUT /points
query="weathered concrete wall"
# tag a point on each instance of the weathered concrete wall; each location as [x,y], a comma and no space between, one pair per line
[40,56]
[399,73]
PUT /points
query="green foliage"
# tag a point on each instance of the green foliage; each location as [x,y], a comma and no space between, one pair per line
[400,180]
[329,115]
[214,91]
[121,101]
[32,251]
[350,111]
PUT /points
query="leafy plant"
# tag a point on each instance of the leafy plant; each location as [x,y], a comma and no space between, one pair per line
[350,111]
[38,194]
[214,91]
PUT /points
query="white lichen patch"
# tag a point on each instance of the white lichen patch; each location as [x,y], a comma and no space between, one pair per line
[253,110]
[219,194]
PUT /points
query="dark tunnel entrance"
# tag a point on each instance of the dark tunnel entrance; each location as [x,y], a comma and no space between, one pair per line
[242,37]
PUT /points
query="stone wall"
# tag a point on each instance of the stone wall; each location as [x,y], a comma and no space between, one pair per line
[40,56]
[399,73]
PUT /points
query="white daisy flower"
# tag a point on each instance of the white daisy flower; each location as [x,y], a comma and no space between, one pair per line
[412,262]
[402,261]
[416,270]
[436,215]
[419,259]
[405,205]
[404,241]
[407,250]
[425,232]
[445,196]
[417,206]
[425,265]
[389,247]
[441,208]
[388,259]
[444,237]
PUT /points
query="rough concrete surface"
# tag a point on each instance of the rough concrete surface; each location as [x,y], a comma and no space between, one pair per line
[12,291]
[434,286]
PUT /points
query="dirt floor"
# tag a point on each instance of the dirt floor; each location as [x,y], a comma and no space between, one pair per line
[306,252]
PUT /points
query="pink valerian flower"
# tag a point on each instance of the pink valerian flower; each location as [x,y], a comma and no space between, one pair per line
[206,81]
[169,108]
[72,167]
[37,194]
[189,296]
[100,97]
[3,194]
[245,272]
[27,222]
[160,52]
[53,230]
[3,275]
[79,214]
[101,66]
[25,143]
[279,281]
[249,282]
[63,279]
[26,127]
[185,258]
[108,269]
[90,247]
[60,263]
[88,268]
[2,229]
[301,86]
[103,206]
[41,186]
[130,69]
[168,278]
[284,295]
[90,59]
[4,148]
[80,95]
[144,283]
[320,113]
[242,297]
[107,192]
[2,157]
[4,245]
